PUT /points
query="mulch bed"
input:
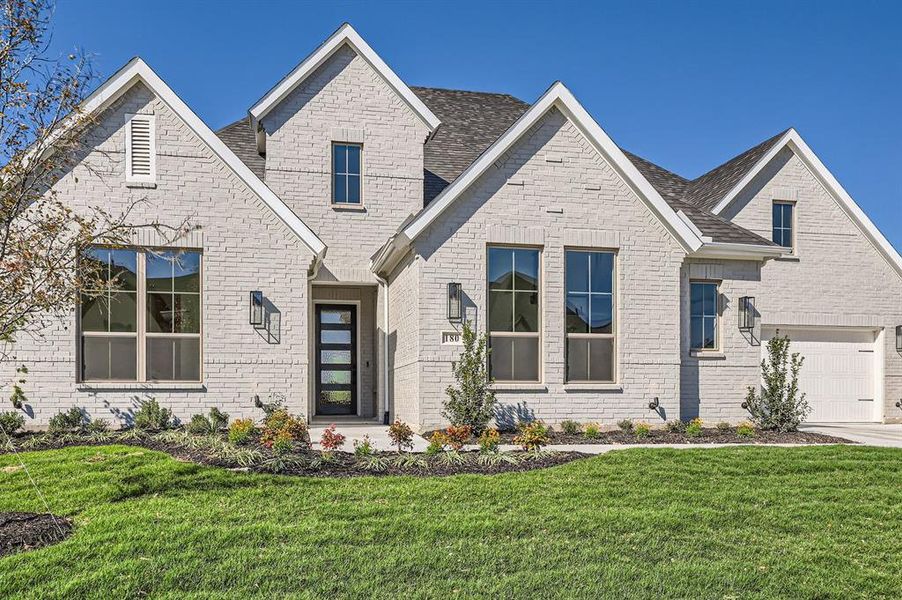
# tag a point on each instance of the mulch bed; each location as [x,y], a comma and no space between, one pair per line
[27,531]
[708,436]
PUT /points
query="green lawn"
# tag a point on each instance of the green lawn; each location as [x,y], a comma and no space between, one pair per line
[749,522]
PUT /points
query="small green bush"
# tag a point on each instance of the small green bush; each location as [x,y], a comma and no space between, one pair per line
[363,448]
[592,431]
[284,428]
[571,427]
[152,417]
[241,430]
[437,443]
[98,426]
[489,441]
[723,426]
[694,428]
[68,420]
[199,425]
[626,426]
[218,419]
[11,422]
[745,429]
[642,430]
[676,426]
[533,436]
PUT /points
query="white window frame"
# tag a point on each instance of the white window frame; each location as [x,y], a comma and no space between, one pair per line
[717,316]
[792,225]
[333,174]
[615,372]
[538,335]
[130,177]
[141,334]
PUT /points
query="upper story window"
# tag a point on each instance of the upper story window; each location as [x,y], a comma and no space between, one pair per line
[514,288]
[346,160]
[140,315]
[140,149]
[590,316]
[783,224]
[704,315]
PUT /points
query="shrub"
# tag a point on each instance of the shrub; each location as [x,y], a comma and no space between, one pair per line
[69,420]
[281,425]
[363,448]
[723,426]
[437,443]
[331,440]
[241,430]
[11,422]
[571,427]
[779,405]
[694,428]
[676,426]
[489,440]
[98,426]
[626,426]
[458,436]
[471,402]
[218,419]
[152,417]
[745,429]
[592,431]
[282,442]
[401,435]
[199,425]
[533,436]
[642,430]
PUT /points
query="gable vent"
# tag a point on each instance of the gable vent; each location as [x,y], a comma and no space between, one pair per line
[140,149]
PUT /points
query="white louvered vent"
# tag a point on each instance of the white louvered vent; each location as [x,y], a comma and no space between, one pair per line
[140,149]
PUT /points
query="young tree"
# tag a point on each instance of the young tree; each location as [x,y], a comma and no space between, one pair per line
[41,132]
[472,402]
[778,406]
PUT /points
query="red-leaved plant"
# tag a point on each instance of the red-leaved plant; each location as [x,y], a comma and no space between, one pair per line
[331,440]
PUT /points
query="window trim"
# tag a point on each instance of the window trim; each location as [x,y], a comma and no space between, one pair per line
[791,249]
[333,173]
[152,124]
[141,334]
[538,335]
[718,346]
[615,313]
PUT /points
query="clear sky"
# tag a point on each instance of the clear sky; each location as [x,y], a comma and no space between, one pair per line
[685,84]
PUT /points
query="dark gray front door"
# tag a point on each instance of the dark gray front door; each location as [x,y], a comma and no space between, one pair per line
[336,359]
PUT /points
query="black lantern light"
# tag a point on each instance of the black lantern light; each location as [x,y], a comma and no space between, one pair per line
[898,338]
[455,303]
[746,313]
[256,309]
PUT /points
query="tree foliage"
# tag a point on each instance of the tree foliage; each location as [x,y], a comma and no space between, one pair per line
[778,405]
[471,402]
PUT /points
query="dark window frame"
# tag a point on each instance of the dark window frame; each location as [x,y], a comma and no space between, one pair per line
[344,172]
[780,229]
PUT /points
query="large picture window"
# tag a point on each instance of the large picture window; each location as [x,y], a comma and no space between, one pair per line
[346,173]
[703,315]
[590,316]
[514,313]
[141,315]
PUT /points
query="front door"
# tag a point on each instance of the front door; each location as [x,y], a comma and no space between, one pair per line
[336,359]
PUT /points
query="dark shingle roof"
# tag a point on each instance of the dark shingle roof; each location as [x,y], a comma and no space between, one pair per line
[471,121]
[241,140]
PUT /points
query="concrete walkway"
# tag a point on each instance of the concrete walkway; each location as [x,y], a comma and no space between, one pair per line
[871,434]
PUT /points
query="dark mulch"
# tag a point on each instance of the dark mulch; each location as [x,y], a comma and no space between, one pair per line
[708,436]
[27,531]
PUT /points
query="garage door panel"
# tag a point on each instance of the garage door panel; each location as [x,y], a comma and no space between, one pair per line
[837,376]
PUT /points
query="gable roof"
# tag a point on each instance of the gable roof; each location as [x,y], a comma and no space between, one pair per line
[557,96]
[137,70]
[240,139]
[792,140]
[344,35]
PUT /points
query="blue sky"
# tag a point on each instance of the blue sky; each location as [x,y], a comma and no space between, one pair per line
[684,84]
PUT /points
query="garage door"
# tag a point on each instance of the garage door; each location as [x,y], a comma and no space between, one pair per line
[838,376]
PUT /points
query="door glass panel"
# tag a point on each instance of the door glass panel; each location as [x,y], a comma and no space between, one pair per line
[335,377]
[341,397]
[335,357]
[335,336]
[335,317]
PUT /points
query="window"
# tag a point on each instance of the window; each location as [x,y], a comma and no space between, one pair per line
[346,173]
[140,149]
[703,315]
[514,289]
[590,316]
[782,217]
[140,315]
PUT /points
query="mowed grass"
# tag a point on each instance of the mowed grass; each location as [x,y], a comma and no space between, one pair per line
[752,522]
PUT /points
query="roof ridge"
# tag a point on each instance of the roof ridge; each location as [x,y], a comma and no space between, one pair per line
[458,91]
[757,146]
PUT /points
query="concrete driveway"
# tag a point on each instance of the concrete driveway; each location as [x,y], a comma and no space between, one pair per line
[872,434]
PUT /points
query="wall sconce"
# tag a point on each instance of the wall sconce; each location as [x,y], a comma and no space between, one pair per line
[746,313]
[898,338]
[654,404]
[256,309]
[455,303]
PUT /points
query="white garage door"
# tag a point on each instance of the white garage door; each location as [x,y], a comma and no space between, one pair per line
[838,375]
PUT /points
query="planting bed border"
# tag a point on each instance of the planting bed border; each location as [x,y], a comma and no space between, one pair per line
[709,435]
[20,531]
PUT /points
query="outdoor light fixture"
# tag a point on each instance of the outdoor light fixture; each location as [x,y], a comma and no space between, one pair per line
[455,310]
[746,313]
[256,309]
[654,404]
[898,338]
